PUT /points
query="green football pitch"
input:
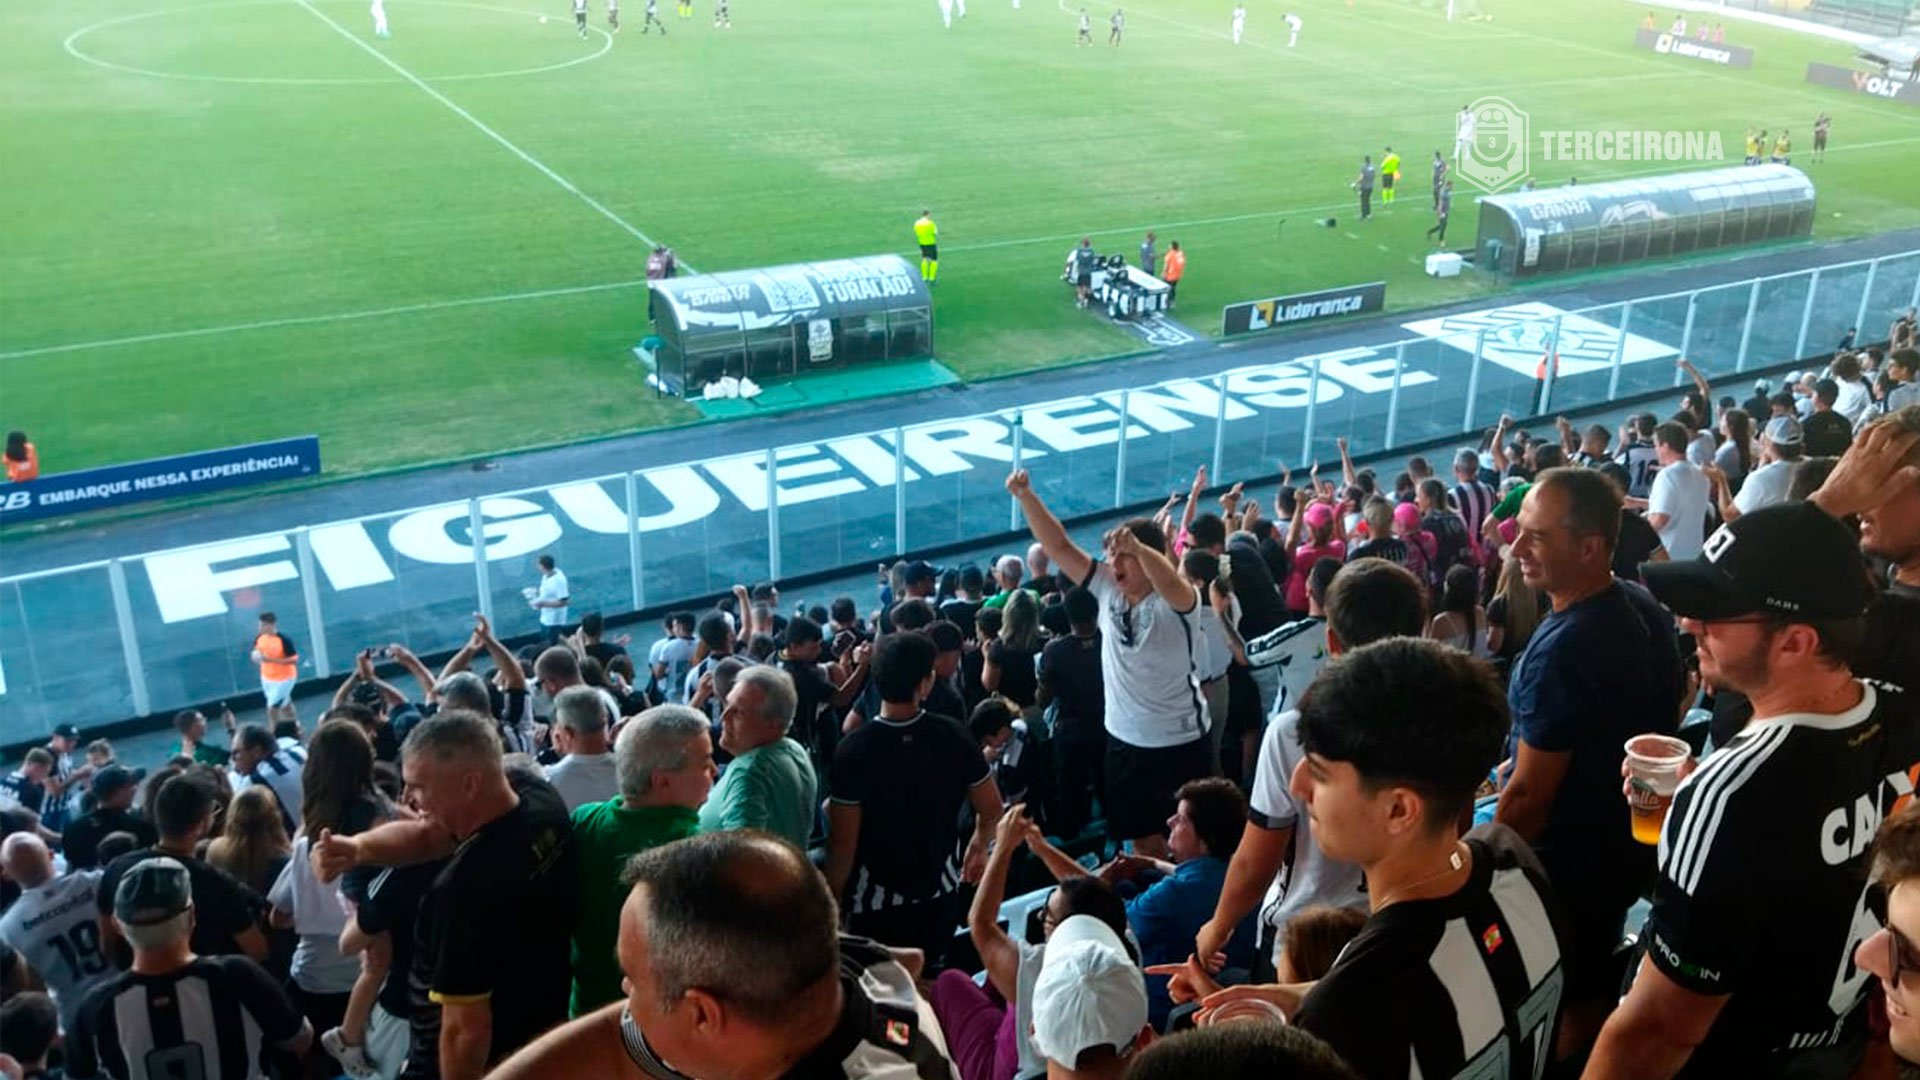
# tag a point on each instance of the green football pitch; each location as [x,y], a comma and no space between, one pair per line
[230,220]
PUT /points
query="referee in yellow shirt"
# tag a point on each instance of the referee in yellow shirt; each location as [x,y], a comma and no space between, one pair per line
[927,233]
[1389,175]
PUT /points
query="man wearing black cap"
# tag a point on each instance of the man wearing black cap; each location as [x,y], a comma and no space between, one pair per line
[1760,897]
[177,1014]
[113,789]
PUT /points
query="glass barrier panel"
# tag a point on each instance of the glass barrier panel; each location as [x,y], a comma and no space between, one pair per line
[60,655]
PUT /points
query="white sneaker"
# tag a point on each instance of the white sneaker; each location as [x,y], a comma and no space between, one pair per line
[352,1059]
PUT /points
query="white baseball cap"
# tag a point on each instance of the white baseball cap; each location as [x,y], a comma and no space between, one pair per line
[1089,993]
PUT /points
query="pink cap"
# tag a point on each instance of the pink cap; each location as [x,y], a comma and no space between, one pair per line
[1319,514]
[1407,515]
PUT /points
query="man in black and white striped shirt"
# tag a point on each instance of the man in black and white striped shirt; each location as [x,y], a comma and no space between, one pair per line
[1457,972]
[735,967]
[260,758]
[177,1014]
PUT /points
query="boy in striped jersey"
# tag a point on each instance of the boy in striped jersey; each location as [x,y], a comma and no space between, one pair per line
[1761,899]
[1457,972]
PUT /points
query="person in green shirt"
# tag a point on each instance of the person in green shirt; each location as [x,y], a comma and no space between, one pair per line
[664,762]
[770,783]
[927,235]
[1389,175]
[192,726]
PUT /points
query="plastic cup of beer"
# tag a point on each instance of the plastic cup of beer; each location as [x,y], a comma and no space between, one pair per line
[1245,1011]
[1653,772]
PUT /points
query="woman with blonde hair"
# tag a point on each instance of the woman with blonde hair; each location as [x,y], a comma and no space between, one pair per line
[1513,616]
[1008,667]
[253,845]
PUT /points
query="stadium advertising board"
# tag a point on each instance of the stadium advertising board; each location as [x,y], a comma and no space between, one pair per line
[781,295]
[1720,53]
[1906,92]
[1302,308]
[160,478]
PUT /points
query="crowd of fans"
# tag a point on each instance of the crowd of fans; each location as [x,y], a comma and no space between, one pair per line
[1323,785]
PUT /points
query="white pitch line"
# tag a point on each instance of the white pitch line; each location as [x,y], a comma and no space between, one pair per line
[310,320]
[506,143]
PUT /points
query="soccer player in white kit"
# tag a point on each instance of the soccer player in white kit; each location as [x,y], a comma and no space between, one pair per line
[946,13]
[1462,133]
[1239,22]
[1293,28]
[379,9]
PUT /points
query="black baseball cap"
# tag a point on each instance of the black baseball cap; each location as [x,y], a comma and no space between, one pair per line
[152,891]
[66,731]
[919,570]
[1791,560]
[114,777]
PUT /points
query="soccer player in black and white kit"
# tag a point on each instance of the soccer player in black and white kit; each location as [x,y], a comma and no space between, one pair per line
[722,17]
[1760,899]
[613,15]
[1119,24]
[580,17]
[1457,972]
[653,19]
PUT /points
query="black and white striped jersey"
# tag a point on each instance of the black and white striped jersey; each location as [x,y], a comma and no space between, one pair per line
[209,1020]
[1460,986]
[1761,893]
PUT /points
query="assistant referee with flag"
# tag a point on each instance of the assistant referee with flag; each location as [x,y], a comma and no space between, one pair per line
[927,233]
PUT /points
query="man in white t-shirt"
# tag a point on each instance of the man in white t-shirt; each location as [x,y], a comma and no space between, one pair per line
[586,774]
[53,924]
[1156,717]
[1677,505]
[1780,448]
[550,599]
[1369,600]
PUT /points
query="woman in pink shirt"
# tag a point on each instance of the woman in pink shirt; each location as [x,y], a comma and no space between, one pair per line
[1324,540]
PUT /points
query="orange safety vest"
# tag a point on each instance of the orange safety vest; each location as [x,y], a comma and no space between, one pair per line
[1176,264]
[272,664]
[18,471]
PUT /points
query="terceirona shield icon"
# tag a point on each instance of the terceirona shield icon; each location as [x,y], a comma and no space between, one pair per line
[1499,155]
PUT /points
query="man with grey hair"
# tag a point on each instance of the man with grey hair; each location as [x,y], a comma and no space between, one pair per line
[665,761]
[479,992]
[770,784]
[580,731]
[1007,572]
[735,968]
[175,1013]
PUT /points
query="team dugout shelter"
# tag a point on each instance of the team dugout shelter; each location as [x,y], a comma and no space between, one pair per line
[1586,226]
[783,321]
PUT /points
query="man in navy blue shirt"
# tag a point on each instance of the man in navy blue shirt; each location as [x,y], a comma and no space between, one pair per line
[1602,668]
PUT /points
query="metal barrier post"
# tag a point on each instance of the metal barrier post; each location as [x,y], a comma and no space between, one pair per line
[1866,294]
[1806,315]
[773,515]
[1619,352]
[310,592]
[1473,379]
[1313,405]
[1746,326]
[1120,451]
[129,641]
[1914,300]
[1019,453]
[1686,340]
[1553,367]
[639,582]
[900,491]
[477,537]
[1220,428]
[1393,399]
